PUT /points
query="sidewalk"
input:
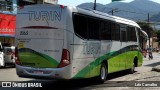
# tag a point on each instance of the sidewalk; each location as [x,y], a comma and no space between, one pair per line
[157,68]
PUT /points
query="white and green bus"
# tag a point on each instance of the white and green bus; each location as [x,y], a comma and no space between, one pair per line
[61,42]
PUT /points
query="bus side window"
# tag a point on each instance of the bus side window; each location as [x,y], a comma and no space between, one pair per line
[93,28]
[123,29]
[115,29]
[117,33]
[102,30]
[105,30]
[131,34]
[123,36]
[128,34]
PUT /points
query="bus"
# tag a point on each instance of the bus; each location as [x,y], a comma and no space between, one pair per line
[63,42]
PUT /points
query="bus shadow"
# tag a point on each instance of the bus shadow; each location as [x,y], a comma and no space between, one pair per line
[118,74]
[8,67]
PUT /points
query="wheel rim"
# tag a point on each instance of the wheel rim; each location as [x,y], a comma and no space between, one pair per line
[103,73]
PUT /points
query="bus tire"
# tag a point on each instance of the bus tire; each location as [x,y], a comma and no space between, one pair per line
[103,73]
[132,69]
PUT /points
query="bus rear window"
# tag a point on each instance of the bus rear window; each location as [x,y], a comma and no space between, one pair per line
[80,26]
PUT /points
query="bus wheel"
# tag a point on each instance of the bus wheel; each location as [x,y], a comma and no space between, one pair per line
[103,73]
[132,69]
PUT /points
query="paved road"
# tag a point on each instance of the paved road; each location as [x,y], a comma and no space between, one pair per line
[154,62]
[9,74]
[143,73]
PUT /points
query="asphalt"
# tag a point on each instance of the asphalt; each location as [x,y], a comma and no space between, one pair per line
[157,68]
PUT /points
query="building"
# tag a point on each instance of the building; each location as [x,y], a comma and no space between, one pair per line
[7,29]
[8,10]
[7,22]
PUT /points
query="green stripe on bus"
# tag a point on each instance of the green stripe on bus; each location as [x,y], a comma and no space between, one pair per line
[95,63]
[111,57]
[32,58]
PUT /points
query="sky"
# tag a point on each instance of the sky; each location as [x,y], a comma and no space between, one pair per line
[77,2]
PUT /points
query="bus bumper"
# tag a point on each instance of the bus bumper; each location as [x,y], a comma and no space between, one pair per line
[43,73]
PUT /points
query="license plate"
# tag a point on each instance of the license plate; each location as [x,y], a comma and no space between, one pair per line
[38,72]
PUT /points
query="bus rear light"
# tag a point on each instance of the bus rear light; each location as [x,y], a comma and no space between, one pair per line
[65,59]
[17,61]
[21,7]
[62,6]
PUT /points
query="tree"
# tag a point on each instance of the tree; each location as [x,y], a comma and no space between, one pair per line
[158,36]
[148,29]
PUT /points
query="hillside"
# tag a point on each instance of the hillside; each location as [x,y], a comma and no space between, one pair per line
[136,10]
[155,17]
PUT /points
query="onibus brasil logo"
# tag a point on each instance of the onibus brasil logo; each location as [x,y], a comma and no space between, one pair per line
[21,84]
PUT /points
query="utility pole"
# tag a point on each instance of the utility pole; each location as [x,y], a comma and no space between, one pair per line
[94,7]
[112,11]
[149,31]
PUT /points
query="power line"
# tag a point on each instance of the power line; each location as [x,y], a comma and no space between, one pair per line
[113,10]
[117,10]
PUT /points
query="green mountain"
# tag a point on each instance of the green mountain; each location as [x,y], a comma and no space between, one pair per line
[155,18]
[136,10]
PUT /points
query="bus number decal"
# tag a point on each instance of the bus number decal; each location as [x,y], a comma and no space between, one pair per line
[23,32]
